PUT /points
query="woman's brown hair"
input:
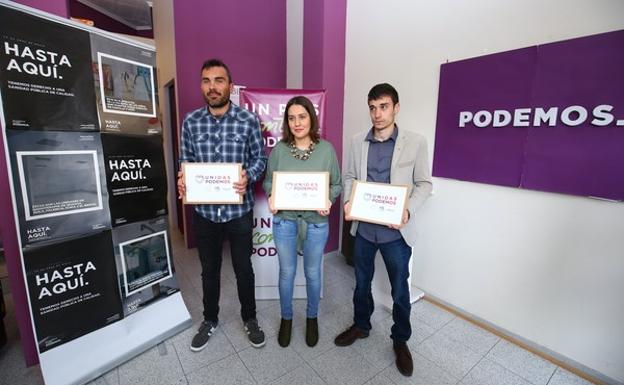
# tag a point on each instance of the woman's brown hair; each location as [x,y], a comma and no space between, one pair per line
[287,136]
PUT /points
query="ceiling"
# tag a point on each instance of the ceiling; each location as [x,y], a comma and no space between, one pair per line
[136,14]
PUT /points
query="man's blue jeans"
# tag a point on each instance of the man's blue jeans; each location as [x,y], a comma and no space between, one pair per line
[396,255]
[285,238]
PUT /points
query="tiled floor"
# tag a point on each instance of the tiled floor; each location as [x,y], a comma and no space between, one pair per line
[446,349]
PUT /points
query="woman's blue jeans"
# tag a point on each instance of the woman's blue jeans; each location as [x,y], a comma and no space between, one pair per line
[285,238]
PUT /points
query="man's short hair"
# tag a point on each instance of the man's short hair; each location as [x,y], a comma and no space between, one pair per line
[383,89]
[217,63]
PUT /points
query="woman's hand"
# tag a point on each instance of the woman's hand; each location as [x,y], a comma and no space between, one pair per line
[272,206]
[325,212]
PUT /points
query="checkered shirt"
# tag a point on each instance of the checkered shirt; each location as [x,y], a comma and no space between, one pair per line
[233,138]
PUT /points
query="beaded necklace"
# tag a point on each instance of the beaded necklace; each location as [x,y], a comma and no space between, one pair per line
[301,154]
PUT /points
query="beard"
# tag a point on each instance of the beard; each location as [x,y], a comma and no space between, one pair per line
[219,102]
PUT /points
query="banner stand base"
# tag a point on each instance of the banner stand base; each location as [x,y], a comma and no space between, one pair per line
[90,356]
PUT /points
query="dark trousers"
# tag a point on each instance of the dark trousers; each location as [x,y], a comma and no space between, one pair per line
[210,237]
[396,255]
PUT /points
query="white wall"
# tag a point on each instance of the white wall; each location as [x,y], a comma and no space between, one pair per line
[294,43]
[546,267]
[164,35]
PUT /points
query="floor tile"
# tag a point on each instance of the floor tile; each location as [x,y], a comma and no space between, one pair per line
[192,299]
[339,292]
[325,343]
[270,362]
[477,339]
[488,372]
[13,366]
[266,303]
[420,331]
[229,309]
[339,317]
[564,377]
[235,332]
[343,366]
[218,348]
[110,378]
[450,355]
[228,371]
[377,347]
[303,375]
[380,379]
[152,368]
[522,362]
[431,314]
[381,313]
[273,313]
[425,373]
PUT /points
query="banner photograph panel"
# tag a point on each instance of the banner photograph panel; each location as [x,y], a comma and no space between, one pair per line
[45,74]
[70,288]
[49,189]
[145,267]
[125,87]
[59,184]
[135,177]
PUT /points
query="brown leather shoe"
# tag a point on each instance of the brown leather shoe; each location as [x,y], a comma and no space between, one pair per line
[403,359]
[349,336]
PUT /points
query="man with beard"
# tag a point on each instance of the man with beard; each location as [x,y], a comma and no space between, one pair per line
[222,132]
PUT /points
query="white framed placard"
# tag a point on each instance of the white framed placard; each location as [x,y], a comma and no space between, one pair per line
[211,183]
[145,261]
[58,183]
[300,190]
[380,203]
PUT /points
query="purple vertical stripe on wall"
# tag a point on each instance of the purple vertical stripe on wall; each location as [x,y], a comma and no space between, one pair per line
[250,37]
[324,30]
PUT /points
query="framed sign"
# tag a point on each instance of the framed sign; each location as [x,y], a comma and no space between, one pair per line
[380,203]
[59,182]
[145,261]
[126,86]
[211,183]
[300,190]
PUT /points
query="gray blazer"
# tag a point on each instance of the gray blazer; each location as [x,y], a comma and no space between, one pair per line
[410,166]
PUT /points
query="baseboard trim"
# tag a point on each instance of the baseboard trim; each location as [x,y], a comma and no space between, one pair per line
[545,353]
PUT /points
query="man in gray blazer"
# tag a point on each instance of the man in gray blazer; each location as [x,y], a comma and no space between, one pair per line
[385,154]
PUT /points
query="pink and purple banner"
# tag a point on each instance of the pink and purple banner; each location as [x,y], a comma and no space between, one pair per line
[547,118]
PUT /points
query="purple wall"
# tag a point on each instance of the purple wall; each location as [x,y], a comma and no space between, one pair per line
[249,36]
[77,9]
[57,7]
[324,30]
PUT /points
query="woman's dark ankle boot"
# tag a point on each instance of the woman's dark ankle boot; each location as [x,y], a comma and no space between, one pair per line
[312,334]
[283,337]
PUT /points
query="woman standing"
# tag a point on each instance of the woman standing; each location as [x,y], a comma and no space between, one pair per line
[301,150]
